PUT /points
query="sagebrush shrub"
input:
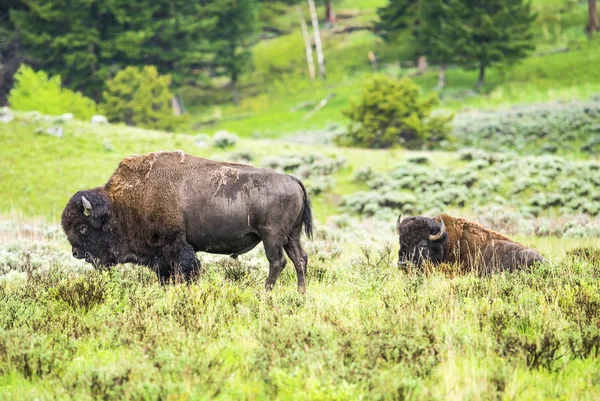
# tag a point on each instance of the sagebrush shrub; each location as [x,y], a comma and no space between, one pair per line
[549,128]
[224,139]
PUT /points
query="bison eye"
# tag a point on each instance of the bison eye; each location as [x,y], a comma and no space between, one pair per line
[83,229]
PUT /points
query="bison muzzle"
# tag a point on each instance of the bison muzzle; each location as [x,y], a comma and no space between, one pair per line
[446,239]
[159,209]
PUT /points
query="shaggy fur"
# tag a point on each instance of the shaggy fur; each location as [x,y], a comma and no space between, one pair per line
[160,208]
[464,242]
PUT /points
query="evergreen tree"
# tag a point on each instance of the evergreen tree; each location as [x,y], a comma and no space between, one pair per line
[492,31]
[235,27]
[66,38]
[396,17]
[140,97]
[470,33]
[439,34]
[169,34]
[10,53]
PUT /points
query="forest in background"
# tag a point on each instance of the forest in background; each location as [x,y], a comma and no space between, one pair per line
[246,62]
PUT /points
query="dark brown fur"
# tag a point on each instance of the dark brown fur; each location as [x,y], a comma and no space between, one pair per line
[160,208]
[465,243]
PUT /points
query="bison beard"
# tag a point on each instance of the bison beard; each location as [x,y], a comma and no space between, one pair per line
[445,239]
[161,208]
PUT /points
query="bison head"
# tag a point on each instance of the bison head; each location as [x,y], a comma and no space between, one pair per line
[85,221]
[421,238]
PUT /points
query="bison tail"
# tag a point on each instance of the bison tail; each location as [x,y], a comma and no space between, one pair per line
[307,218]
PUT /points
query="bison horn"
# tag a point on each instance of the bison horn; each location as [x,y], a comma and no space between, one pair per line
[87,206]
[439,235]
[398,223]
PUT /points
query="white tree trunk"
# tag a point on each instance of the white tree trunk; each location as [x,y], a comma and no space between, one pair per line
[307,45]
[318,48]
[176,106]
[442,78]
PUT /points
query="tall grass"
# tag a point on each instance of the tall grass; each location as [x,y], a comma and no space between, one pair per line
[364,330]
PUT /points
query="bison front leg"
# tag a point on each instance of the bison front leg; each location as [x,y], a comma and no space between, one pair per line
[181,261]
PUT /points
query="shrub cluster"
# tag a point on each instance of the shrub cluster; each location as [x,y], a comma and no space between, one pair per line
[558,128]
[224,139]
[393,113]
[37,91]
[314,169]
[533,185]
[140,97]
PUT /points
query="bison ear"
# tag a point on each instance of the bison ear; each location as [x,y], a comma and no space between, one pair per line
[96,208]
[398,224]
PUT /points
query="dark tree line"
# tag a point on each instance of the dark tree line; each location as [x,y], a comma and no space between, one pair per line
[88,41]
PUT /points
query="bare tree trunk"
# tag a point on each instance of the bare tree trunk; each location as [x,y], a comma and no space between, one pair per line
[421,64]
[175,106]
[93,68]
[234,90]
[481,79]
[318,48]
[593,24]
[373,60]
[329,13]
[442,79]
[307,45]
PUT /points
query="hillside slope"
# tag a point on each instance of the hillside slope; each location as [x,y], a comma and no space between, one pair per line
[562,67]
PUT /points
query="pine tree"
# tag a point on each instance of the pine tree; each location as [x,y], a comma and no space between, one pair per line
[439,34]
[10,53]
[65,38]
[396,17]
[169,34]
[493,32]
[140,97]
[233,33]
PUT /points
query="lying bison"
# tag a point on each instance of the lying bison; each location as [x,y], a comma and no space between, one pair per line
[445,239]
[159,209]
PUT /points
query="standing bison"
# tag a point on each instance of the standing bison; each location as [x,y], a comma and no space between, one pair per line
[445,239]
[159,209]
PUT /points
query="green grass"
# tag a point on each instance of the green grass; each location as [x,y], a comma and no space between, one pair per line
[561,76]
[39,172]
[362,331]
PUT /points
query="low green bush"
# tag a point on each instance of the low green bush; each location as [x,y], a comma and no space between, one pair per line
[393,113]
[37,91]
[140,97]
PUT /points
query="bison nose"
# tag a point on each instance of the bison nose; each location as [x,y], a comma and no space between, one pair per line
[76,254]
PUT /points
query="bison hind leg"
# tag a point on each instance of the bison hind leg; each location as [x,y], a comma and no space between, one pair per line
[299,257]
[277,261]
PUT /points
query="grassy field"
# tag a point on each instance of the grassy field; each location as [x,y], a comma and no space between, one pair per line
[364,330]
[40,172]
